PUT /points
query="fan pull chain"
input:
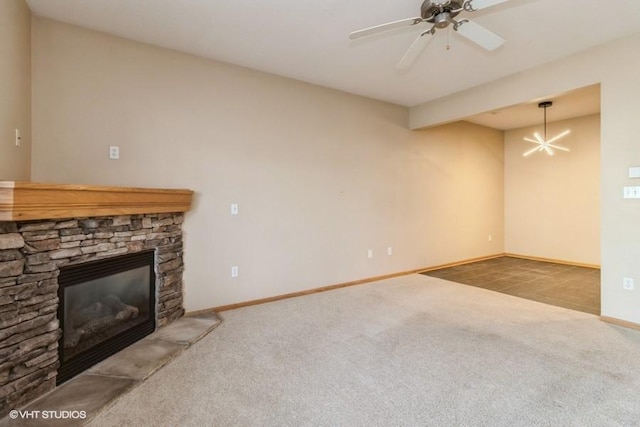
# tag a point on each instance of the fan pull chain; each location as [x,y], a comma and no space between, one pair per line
[448,38]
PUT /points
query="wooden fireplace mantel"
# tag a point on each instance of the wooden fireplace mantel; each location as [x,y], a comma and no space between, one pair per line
[20,201]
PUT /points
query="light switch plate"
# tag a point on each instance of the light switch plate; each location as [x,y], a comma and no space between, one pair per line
[634,172]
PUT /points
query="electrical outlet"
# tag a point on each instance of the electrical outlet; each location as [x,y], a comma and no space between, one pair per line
[114,152]
[234,209]
[18,138]
[490,237]
[389,250]
[627,283]
[370,253]
[631,193]
[234,271]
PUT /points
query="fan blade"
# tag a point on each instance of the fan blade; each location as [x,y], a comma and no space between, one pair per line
[385,27]
[531,140]
[479,35]
[414,50]
[473,5]
[548,150]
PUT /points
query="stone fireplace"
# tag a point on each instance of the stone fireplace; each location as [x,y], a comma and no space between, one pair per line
[52,234]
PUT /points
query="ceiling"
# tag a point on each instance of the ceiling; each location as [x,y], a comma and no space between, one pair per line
[576,103]
[309,41]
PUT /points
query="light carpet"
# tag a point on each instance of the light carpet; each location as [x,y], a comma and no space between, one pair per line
[409,351]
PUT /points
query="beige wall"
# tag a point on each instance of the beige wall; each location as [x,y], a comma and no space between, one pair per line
[616,66]
[552,203]
[320,176]
[15,78]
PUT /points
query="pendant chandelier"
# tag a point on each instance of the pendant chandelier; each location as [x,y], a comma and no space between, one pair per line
[542,143]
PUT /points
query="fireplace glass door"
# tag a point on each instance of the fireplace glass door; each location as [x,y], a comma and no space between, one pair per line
[104,306]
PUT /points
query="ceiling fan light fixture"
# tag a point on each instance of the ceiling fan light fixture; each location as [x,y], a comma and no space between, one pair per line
[440,15]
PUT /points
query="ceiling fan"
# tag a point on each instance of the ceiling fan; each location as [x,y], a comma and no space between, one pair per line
[440,15]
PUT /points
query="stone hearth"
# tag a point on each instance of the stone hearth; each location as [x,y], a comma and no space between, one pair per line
[32,252]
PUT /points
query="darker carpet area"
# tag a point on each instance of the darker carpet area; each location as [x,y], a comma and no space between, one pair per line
[572,287]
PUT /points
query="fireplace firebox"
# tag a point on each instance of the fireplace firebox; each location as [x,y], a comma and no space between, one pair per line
[105,306]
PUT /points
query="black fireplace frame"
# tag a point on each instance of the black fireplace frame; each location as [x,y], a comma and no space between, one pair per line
[72,275]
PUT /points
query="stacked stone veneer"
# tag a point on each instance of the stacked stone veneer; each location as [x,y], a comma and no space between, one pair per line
[31,254]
